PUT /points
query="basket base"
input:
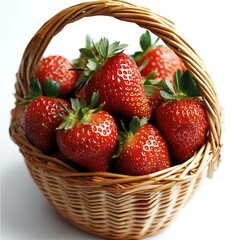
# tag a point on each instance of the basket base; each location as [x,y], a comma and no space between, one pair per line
[115,214]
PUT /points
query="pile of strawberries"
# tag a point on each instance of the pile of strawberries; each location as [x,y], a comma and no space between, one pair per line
[109,111]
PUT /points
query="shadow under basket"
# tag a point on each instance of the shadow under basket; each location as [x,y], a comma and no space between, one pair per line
[109,205]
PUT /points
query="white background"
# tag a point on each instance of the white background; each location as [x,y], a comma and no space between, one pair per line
[211,28]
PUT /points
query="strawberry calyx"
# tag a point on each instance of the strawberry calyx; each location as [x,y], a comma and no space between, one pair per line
[80,112]
[146,44]
[81,60]
[184,86]
[152,85]
[96,56]
[126,135]
[51,89]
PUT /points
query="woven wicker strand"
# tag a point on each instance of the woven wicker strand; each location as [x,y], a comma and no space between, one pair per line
[116,206]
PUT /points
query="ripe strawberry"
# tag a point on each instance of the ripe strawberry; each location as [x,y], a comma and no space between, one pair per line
[88,136]
[182,117]
[40,117]
[159,59]
[117,79]
[142,150]
[58,69]
[155,101]
[81,93]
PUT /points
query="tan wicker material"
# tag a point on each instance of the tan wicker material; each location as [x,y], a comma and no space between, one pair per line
[111,205]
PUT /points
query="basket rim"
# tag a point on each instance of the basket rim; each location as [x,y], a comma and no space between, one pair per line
[207,156]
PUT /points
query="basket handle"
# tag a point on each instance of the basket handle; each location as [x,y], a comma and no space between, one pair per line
[143,17]
[119,9]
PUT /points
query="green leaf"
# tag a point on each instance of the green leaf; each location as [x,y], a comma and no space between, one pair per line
[119,147]
[51,88]
[113,48]
[75,104]
[62,126]
[137,56]
[94,100]
[69,125]
[123,126]
[145,41]
[89,42]
[156,41]
[143,120]
[189,86]
[87,53]
[88,73]
[80,114]
[134,125]
[167,87]
[167,95]
[103,47]
[85,120]
[64,107]
[120,48]
[35,91]
[150,90]
[177,80]
[99,108]
[35,88]
[81,81]
[92,64]
[151,75]
[158,82]
[83,102]
[107,50]
[143,65]
[121,135]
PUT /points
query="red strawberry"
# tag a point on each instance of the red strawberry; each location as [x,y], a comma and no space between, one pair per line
[142,150]
[81,93]
[182,117]
[117,79]
[40,118]
[88,136]
[58,69]
[154,101]
[160,59]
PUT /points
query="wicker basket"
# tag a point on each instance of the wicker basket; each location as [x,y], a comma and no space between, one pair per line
[116,206]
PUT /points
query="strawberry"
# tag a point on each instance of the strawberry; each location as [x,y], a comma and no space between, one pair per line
[60,69]
[182,117]
[154,101]
[159,59]
[116,77]
[81,93]
[40,117]
[88,136]
[142,150]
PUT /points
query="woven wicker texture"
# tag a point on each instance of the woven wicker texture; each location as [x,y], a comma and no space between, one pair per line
[111,205]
